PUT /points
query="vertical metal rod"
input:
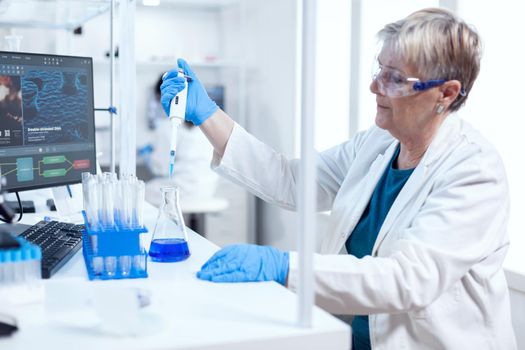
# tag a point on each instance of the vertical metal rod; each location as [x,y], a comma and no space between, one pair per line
[298,78]
[355,66]
[253,235]
[112,85]
[307,187]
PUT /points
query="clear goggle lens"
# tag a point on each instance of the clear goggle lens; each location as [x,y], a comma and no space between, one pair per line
[394,83]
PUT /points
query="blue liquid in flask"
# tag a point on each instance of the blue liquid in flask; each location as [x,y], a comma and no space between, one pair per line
[169,250]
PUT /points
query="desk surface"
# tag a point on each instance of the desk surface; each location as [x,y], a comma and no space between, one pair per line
[185,313]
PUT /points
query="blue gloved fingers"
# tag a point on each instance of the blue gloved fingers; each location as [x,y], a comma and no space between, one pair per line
[165,101]
[186,68]
[167,94]
[214,259]
[199,106]
[212,265]
[171,74]
[224,268]
[171,90]
[204,275]
[178,81]
[245,262]
[235,276]
[285,264]
[219,255]
[220,269]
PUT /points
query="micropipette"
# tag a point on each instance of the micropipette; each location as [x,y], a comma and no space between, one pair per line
[177,115]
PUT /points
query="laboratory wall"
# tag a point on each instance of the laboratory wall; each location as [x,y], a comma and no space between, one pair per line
[274,88]
[197,34]
[270,55]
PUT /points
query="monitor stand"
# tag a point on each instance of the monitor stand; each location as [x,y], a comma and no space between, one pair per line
[68,202]
[27,206]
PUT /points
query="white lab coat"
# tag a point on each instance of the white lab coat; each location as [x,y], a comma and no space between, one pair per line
[435,277]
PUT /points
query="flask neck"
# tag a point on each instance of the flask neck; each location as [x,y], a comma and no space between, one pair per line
[170,197]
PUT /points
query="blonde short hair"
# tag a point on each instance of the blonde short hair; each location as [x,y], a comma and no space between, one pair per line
[439,45]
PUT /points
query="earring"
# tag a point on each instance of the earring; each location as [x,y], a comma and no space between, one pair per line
[440,109]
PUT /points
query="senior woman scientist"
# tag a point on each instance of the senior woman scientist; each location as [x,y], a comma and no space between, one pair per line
[419,201]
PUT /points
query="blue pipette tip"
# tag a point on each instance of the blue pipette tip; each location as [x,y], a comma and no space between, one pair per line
[172,162]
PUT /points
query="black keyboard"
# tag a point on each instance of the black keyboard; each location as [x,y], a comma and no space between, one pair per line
[59,241]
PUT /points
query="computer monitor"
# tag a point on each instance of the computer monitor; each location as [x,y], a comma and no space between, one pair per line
[47,128]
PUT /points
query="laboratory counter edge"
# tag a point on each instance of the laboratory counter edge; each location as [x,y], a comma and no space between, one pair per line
[185,312]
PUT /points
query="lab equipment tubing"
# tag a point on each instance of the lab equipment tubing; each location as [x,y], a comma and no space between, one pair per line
[169,242]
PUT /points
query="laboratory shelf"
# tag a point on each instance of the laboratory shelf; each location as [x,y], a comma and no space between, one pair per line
[50,14]
[193,64]
[170,63]
[198,4]
[70,14]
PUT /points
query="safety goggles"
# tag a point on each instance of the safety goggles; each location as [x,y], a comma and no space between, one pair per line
[393,83]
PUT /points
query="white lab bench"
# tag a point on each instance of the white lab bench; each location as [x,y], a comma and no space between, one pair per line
[185,313]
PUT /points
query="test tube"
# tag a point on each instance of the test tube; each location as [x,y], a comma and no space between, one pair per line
[124,262]
[125,265]
[97,222]
[18,266]
[100,201]
[86,176]
[5,267]
[139,263]
[108,218]
[110,265]
[126,208]
[128,187]
[98,265]
[94,203]
[27,270]
[36,255]
[140,188]
[110,176]
[2,266]
[110,262]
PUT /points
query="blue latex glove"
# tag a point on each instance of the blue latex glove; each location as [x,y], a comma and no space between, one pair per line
[199,106]
[246,263]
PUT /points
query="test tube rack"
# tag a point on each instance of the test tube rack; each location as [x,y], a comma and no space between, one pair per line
[114,253]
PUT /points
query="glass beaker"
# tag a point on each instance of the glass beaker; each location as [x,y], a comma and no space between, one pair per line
[169,242]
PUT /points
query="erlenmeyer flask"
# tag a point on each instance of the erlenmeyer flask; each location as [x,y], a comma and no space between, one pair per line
[169,241]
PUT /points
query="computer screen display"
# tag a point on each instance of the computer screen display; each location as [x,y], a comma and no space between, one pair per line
[47,129]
